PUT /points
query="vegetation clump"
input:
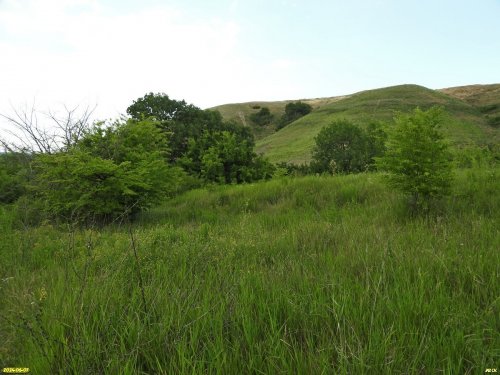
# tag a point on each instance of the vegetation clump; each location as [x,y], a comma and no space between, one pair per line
[263,117]
[294,111]
[417,160]
[343,147]
[115,170]
[205,146]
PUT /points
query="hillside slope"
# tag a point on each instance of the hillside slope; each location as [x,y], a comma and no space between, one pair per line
[485,97]
[240,112]
[474,116]
[466,124]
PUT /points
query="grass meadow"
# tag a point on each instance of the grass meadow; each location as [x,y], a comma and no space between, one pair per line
[310,275]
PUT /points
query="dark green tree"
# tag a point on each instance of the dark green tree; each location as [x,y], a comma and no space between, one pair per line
[340,147]
[417,160]
[181,121]
[263,117]
[294,111]
[178,119]
[202,143]
[161,107]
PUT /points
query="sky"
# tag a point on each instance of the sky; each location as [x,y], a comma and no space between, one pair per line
[108,53]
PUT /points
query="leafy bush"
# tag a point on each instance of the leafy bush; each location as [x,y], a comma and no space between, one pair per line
[417,158]
[376,139]
[473,157]
[114,171]
[225,157]
[14,176]
[294,111]
[342,147]
[290,169]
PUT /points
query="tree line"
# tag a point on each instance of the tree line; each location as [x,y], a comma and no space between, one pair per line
[106,171]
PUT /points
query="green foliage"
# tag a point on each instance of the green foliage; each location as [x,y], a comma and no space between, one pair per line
[294,111]
[290,169]
[263,117]
[161,108]
[225,157]
[376,136]
[474,157]
[343,147]
[203,144]
[14,175]
[417,158]
[489,108]
[179,120]
[114,171]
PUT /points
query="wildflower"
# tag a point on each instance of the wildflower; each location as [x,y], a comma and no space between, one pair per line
[43,294]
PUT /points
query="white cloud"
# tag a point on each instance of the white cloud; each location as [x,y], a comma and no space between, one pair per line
[81,52]
[74,51]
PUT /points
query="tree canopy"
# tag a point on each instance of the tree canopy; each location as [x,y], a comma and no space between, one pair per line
[340,147]
[202,143]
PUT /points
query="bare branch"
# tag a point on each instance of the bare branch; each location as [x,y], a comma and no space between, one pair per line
[32,137]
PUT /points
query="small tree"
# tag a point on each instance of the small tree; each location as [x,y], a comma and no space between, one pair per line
[263,117]
[417,158]
[340,147]
[294,111]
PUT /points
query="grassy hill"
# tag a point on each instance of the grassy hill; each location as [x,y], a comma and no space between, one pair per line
[240,112]
[470,120]
[486,98]
[309,275]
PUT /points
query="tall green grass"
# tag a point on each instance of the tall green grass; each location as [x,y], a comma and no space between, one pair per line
[308,275]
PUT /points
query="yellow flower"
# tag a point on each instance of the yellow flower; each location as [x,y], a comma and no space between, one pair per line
[43,294]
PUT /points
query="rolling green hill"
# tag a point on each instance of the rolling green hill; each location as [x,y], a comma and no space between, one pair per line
[473,111]
[240,112]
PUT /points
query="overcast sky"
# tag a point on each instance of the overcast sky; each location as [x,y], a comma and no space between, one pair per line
[210,52]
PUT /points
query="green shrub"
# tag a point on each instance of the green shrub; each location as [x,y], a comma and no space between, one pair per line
[114,171]
[417,160]
[294,111]
[263,117]
[13,176]
[342,147]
